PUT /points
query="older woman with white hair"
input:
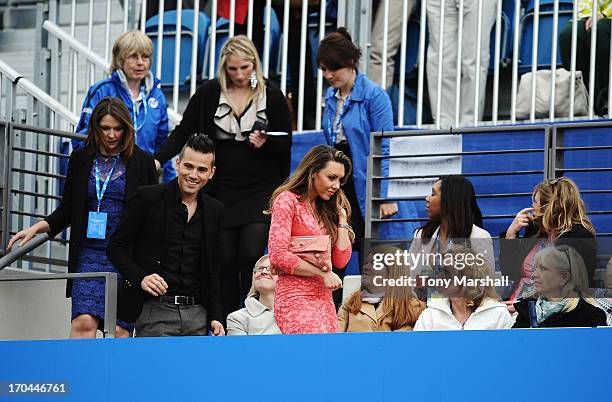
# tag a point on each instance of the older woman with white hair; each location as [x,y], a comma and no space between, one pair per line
[257,317]
[561,297]
[131,81]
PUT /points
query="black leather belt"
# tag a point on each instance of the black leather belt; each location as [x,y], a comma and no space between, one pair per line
[180,300]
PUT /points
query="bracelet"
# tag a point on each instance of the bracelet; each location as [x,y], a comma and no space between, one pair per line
[344,226]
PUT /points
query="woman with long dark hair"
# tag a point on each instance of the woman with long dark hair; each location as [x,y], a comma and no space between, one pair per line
[310,203]
[101,176]
[454,217]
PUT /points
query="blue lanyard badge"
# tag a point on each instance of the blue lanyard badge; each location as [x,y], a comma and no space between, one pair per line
[96,222]
[135,110]
[332,129]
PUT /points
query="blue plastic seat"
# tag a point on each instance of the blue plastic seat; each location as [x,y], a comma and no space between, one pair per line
[545,33]
[169,34]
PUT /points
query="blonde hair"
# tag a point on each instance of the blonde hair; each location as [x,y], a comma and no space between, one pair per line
[474,295]
[243,48]
[301,183]
[128,43]
[565,258]
[399,301]
[252,291]
[562,207]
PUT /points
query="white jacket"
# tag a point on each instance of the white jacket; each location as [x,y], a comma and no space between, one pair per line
[481,244]
[253,319]
[438,316]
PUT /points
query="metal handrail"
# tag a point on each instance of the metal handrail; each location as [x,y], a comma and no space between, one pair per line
[110,292]
[18,252]
[92,56]
[37,93]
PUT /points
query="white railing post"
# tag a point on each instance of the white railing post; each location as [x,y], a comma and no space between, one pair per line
[498,23]
[421,78]
[319,110]
[515,57]
[302,73]
[402,78]
[194,47]
[213,41]
[160,40]
[553,61]
[593,58]
[534,60]
[177,53]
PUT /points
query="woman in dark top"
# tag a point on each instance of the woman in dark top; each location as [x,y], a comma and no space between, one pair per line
[561,297]
[240,111]
[92,210]
[557,216]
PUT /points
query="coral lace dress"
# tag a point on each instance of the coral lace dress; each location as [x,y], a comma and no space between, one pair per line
[303,304]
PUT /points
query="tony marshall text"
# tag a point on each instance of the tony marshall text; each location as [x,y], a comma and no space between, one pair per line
[440,282]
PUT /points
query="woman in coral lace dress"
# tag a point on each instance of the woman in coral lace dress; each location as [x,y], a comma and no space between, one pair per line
[310,203]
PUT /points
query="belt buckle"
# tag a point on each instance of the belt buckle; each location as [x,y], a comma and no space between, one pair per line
[176,300]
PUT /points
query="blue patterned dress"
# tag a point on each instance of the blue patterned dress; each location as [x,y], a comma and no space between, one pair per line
[88,295]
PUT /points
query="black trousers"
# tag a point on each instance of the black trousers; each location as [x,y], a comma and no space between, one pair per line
[583,56]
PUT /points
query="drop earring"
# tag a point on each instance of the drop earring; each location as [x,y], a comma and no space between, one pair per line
[254,80]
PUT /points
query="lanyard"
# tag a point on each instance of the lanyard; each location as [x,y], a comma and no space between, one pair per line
[333,128]
[135,110]
[100,193]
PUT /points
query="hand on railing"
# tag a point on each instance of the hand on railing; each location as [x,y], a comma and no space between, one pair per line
[19,252]
[27,234]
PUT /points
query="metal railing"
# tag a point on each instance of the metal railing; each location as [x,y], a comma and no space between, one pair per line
[31,187]
[94,59]
[580,151]
[512,37]
[110,292]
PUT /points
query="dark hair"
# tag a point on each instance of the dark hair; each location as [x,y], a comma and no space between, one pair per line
[337,51]
[199,143]
[95,138]
[458,206]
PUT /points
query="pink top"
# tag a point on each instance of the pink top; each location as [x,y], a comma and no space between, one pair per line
[290,218]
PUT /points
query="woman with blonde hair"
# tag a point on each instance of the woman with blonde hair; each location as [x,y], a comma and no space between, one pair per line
[469,300]
[557,216]
[561,295]
[378,306]
[239,110]
[311,203]
[131,81]
[257,315]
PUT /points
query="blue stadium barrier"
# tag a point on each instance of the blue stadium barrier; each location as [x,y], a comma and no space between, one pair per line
[169,31]
[503,365]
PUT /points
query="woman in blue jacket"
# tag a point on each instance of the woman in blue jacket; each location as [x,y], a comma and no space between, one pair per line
[132,81]
[354,107]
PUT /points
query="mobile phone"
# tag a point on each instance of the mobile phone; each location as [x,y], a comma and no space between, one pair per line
[259,126]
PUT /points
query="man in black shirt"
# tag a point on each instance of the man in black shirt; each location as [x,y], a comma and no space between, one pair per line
[165,246]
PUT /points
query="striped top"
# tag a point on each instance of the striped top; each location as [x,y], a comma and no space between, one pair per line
[585,8]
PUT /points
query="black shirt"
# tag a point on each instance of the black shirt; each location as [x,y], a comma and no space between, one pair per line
[181,267]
